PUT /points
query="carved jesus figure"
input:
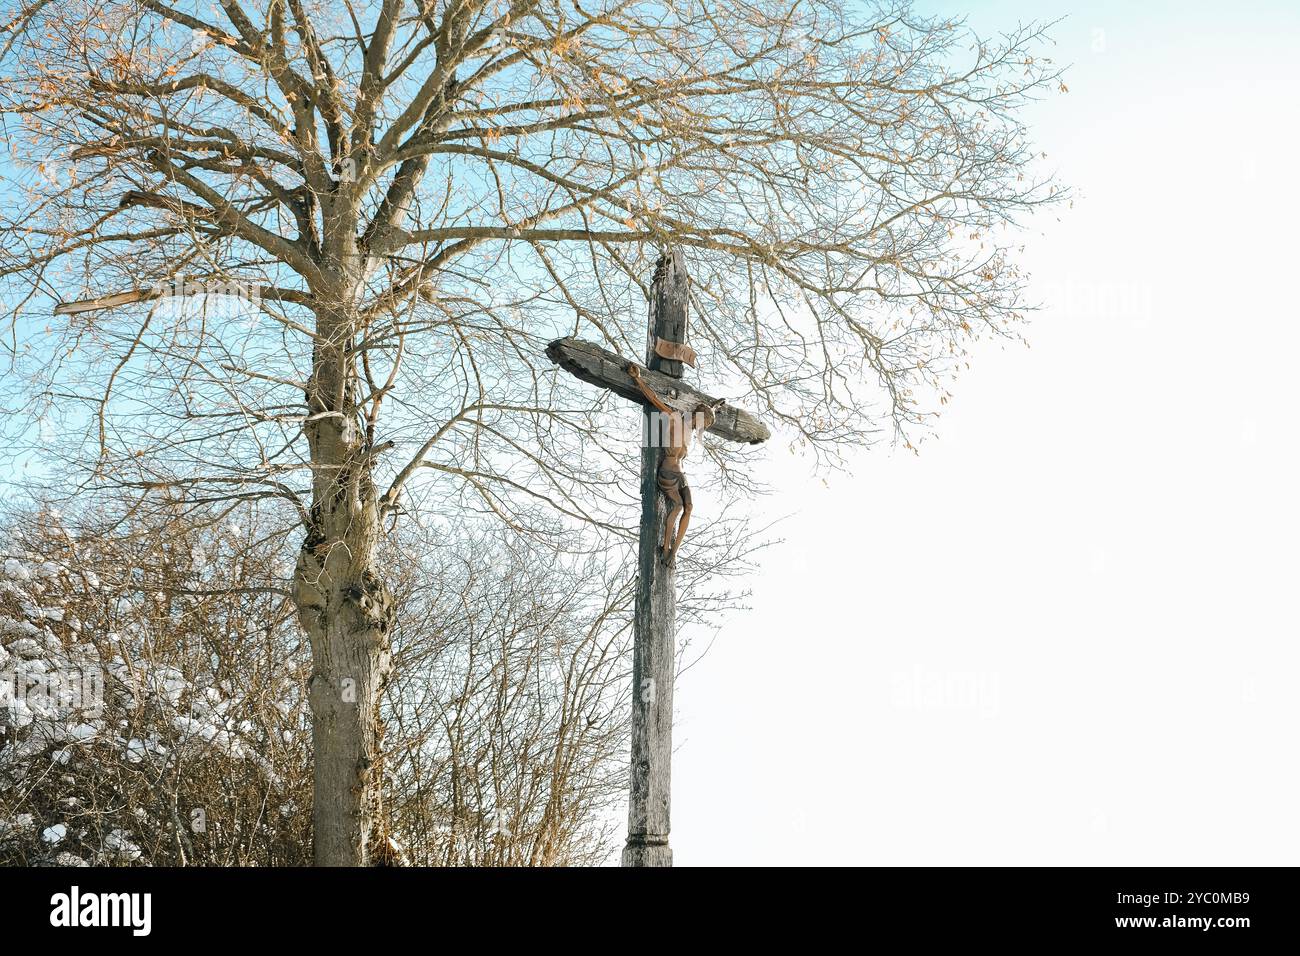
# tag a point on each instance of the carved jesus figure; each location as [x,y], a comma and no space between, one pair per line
[670,478]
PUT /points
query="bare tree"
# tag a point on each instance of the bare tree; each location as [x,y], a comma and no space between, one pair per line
[508,735]
[405,199]
[513,739]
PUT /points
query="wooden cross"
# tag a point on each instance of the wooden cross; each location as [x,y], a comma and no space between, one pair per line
[654,659]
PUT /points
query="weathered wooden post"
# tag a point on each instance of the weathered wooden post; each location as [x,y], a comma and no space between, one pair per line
[654,659]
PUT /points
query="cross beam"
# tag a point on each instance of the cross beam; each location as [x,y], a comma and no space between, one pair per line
[600,366]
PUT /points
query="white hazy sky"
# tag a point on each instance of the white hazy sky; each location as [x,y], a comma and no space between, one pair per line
[1066,633]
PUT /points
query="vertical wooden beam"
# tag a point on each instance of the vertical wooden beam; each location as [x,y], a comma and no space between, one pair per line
[654,659]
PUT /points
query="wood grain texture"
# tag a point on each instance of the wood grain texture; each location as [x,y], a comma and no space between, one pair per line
[654,658]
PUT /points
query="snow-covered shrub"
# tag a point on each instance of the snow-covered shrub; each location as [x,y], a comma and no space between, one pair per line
[151,707]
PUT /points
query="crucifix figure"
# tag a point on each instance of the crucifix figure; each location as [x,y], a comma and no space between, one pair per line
[673,413]
[678,432]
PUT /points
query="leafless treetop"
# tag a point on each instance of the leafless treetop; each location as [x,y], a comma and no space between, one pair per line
[429,191]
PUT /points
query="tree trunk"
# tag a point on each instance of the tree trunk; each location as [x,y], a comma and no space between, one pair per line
[346,610]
